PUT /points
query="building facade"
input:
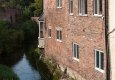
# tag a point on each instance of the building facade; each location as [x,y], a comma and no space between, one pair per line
[75,36]
[40,21]
[111,33]
[41,31]
[11,15]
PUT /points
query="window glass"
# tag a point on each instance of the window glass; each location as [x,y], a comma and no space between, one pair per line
[97,59]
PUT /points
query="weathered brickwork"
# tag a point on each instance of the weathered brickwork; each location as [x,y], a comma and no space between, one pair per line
[87,31]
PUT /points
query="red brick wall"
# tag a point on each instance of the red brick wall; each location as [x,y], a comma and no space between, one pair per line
[87,31]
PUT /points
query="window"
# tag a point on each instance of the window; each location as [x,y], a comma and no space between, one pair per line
[59,3]
[49,33]
[75,51]
[71,7]
[59,34]
[99,60]
[82,7]
[97,7]
[41,34]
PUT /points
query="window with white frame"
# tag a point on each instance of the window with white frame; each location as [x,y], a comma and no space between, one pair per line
[82,7]
[59,34]
[99,60]
[71,7]
[41,34]
[75,49]
[97,7]
[49,33]
[59,3]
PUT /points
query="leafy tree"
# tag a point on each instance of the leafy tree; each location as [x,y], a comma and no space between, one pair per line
[38,5]
[15,3]
[10,39]
[27,12]
[32,6]
[30,30]
[7,74]
[4,24]
[9,3]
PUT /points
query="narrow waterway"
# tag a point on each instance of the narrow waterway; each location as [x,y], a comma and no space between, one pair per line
[25,71]
[21,64]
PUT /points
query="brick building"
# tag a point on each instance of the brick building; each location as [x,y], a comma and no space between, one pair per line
[9,14]
[76,35]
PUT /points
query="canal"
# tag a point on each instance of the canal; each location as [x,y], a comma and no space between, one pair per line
[25,71]
[22,66]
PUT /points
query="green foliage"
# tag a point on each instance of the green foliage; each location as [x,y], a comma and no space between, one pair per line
[9,3]
[13,39]
[33,9]
[57,74]
[14,4]
[38,5]
[4,24]
[38,12]
[37,52]
[28,7]
[10,39]
[30,30]
[27,12]
[7,74]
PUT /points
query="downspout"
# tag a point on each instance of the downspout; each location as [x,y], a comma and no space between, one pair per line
[107,40]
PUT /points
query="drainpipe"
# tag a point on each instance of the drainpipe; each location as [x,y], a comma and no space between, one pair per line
[107,41]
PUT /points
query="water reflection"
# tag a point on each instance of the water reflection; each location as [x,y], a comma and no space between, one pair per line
[25,71]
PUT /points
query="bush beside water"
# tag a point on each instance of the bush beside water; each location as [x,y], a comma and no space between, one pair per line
[48,67]
[13,40]
[7,74]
